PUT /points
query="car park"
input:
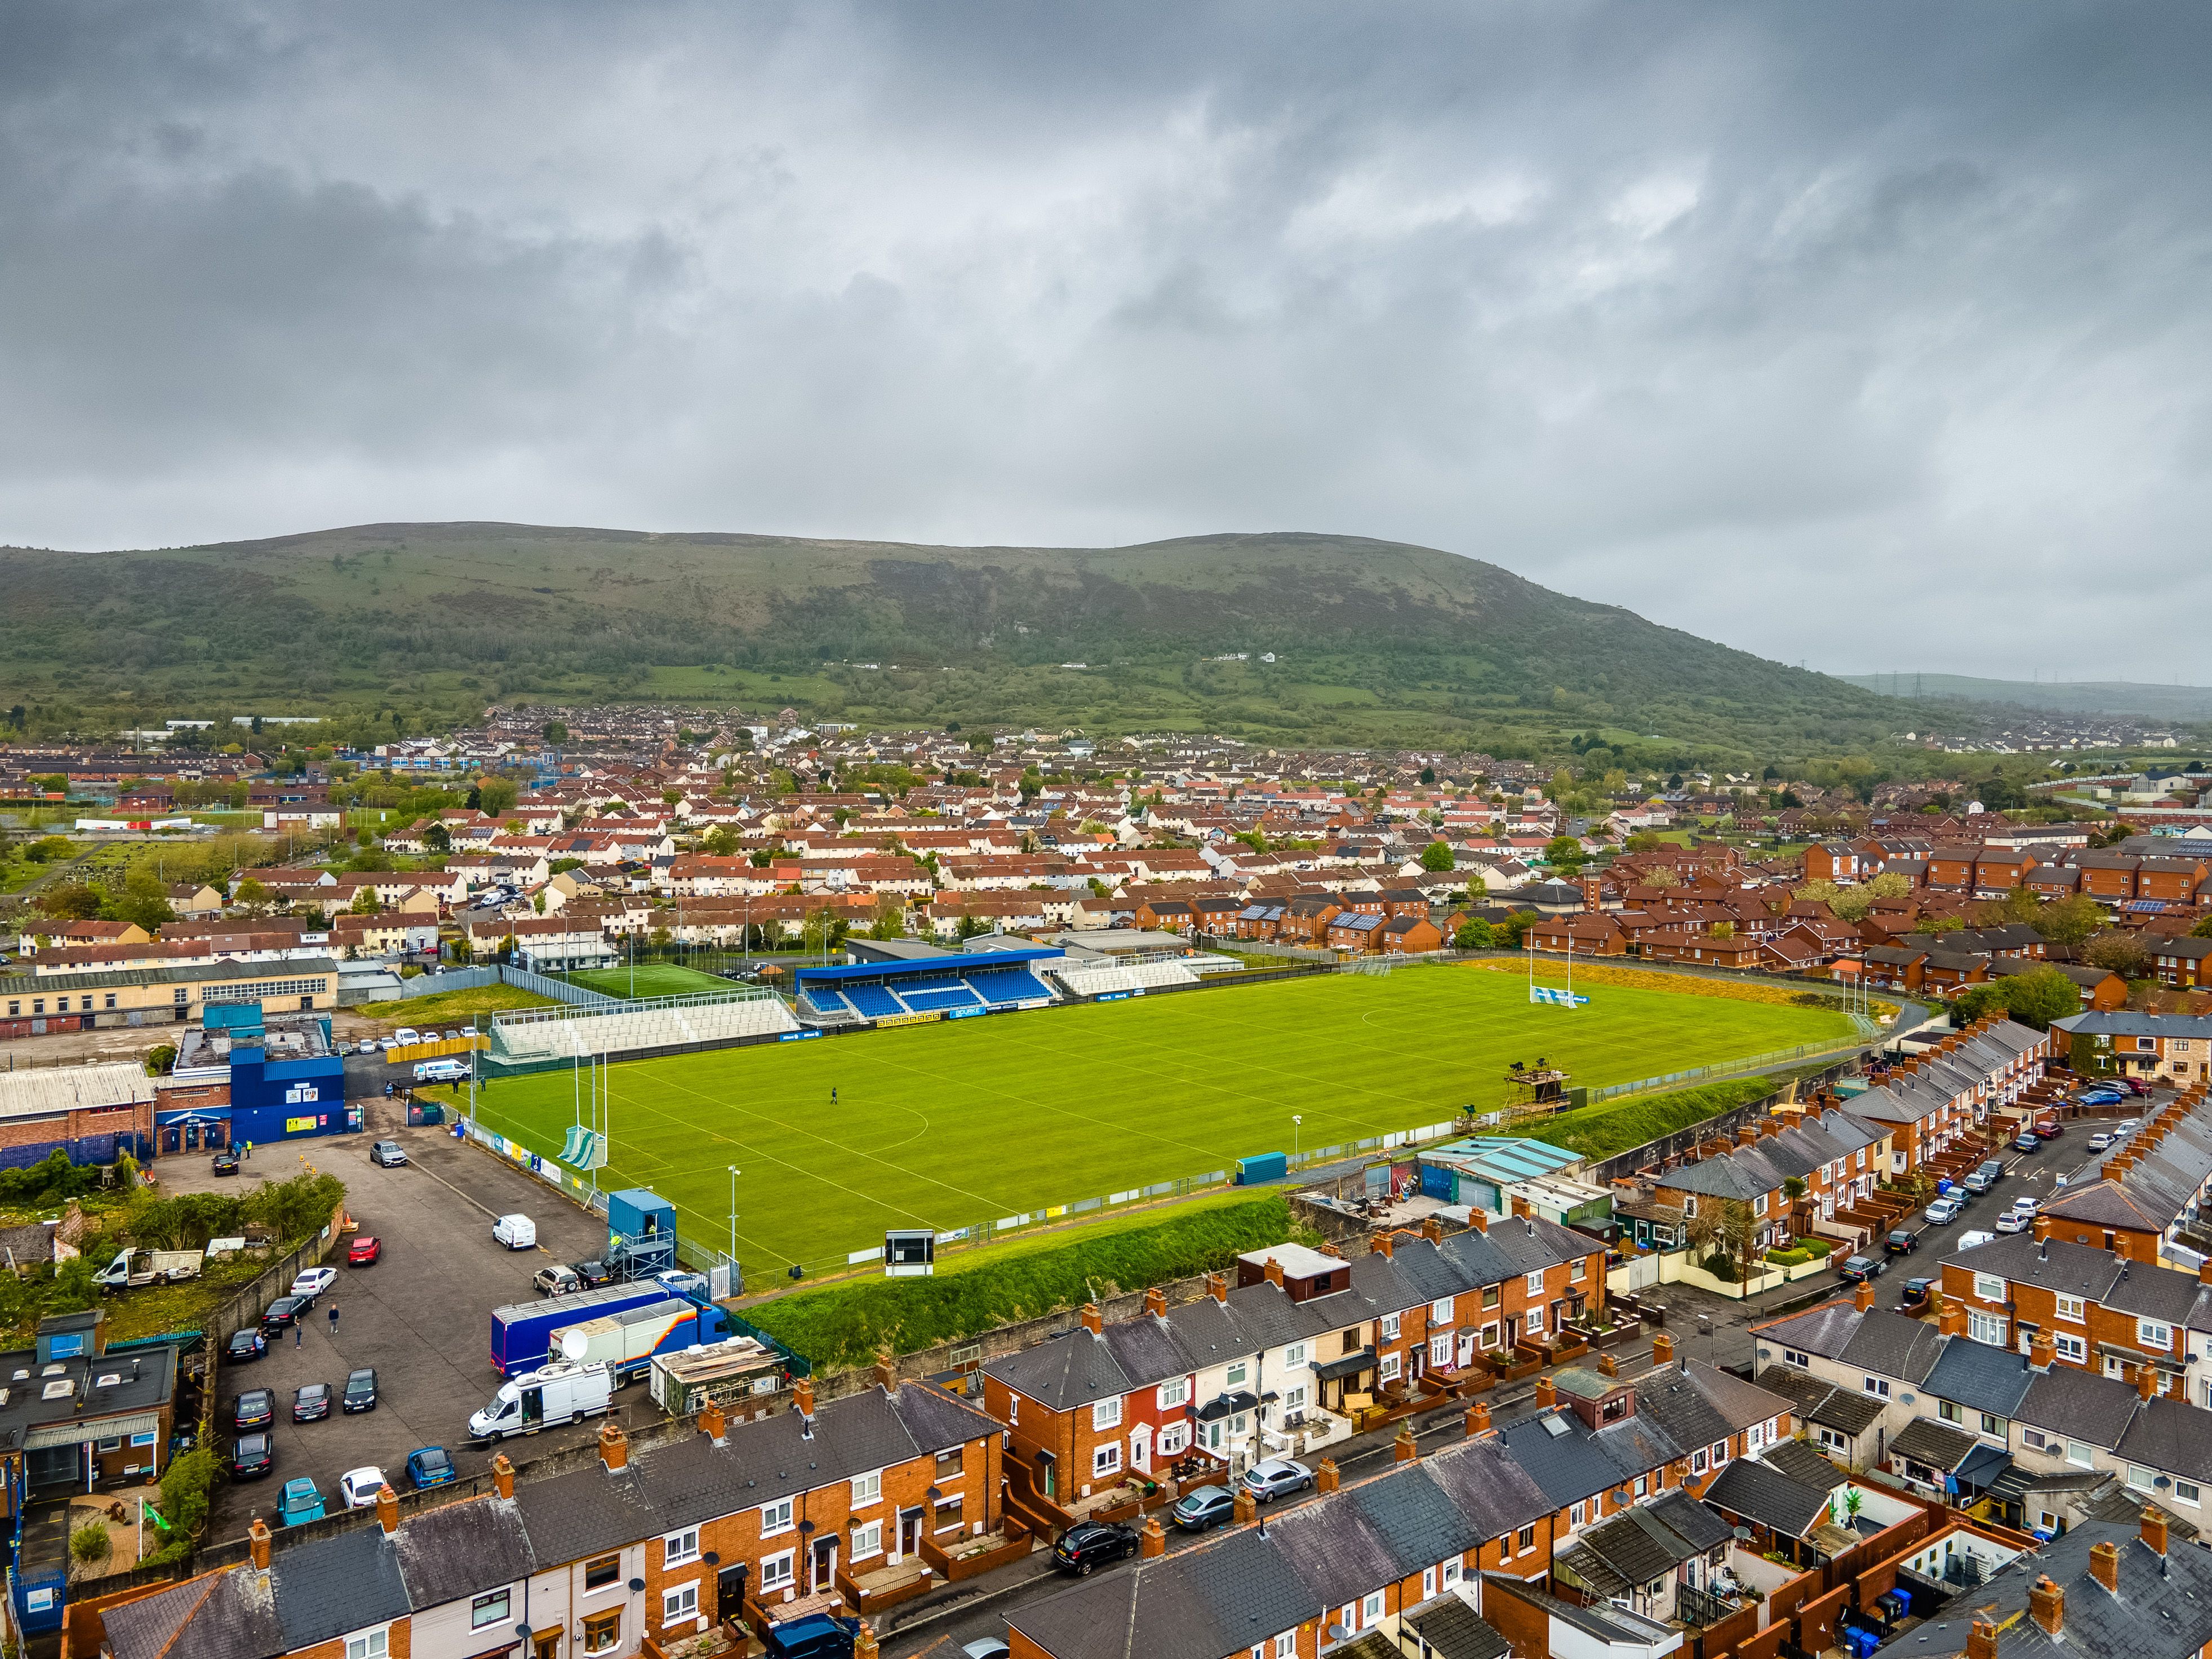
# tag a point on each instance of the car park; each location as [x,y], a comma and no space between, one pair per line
[226,1162]
[314,1282]
[517,1233]
[1271,1477]
[311,1402]
[361,1390]
[1859,1269]
[430,1466]
[300,1502]
[1901,1242]
[1090,1544]
[364,1252]
[256,1408]
[1203,1507]
[283,1314]
[387,1154]
[245,1347]
[250,1458]
[557,1281]
[357,1488]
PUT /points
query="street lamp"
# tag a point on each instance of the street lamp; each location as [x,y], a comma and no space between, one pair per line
[1296,1120]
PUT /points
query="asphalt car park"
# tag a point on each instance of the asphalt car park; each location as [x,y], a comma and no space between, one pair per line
[421,1318]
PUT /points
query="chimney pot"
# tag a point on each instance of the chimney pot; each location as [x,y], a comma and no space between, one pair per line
[715,1425]
[1219,1284]
[1404,1446]
[257,1542]
[1746,1135]
[1520,1205]
[1863,1298]
[614,1446]
[1433,1230]
[887,1377]
[1151,1540]
[1547,1393]
[1607,1365]
[2103,1567]
[2154,1527]
[2046,1601]
[1477,1420]
[1094,1322]
[1156,1303]
[802,1396]
[1275,1273]
[502,1475]
[388,1508]
[2042,1352]
[1982,1640]
[1384,1244]
[1478,1220]
[1326,1478]
[1246,1507]
[1662,1349]
[864,1641]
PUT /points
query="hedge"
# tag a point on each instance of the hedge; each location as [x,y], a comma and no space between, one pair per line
[841,1325]
[1601,1131]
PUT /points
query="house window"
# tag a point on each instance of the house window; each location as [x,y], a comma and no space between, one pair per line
[1492,1294]
[489,1609]
[2033,1439]
[2187,1492]
[1948,1409]
[775,1571]
[1759,1204]
[1990,1425]
[2080,1452]
[1370,1610]
[1689,1206]
[1286,1645]
[776,1517]
[2074,1308]
[1791,1356]
[1989,1288]
[369,1644]
[2140,1478]
[1527,1540]
[1389,1369]
[1535,1284]
[1986,1327]
[949,1462]
[867,1540]
[947,1518]
[602,1632]
[1107,1458]
[1238,1373]
[1574,1515]
[1107,1413]
[1451,1572]
[867,1489]
[1173,1439]
[678,1547]
[1535,1321]
[1698,1461]
[1389,1328]
[1639,1484]
[1575,1269]
[1295,1355]
[1490,1335]
[680,1605]
[1440,1311]
[1720,1453]
[1440,1349]
[601,1572]
[2153,1334]
[1174,1392]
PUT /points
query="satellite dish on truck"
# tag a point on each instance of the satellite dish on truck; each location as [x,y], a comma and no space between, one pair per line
[575,1344]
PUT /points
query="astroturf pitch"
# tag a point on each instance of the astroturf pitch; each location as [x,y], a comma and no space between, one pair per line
[655,979]
[961,1122]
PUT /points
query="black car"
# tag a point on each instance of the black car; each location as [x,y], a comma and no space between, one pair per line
[592,1274]
[1089,1543]
[1860,1269]
[256,1409]
[817,1635]
[311,1402]
[252,1457]
[226,1162]
[244,1346]
[360,1391]
[1916,1295]
[1204,1507]
[284,1313]
[1901,1242]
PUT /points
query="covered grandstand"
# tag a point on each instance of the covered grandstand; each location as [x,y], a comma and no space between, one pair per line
[909,987]
[524,1038]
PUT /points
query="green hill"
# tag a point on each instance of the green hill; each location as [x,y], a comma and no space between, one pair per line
[1375,641]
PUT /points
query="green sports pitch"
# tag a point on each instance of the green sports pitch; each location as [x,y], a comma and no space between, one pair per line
[650,979]
[963,1122]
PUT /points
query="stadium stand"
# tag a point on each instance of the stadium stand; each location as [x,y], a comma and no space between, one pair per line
[1095,982]
[1152,974]
[1009,987]
[826,1002]
[943,996]
[874,1002]
[627,1028]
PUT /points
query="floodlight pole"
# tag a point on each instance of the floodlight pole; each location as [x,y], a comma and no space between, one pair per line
[733,1212]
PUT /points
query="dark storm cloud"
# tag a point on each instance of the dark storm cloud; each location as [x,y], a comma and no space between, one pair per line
[1871,335]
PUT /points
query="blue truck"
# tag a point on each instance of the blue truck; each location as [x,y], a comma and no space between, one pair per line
[522,1333]
[626,1342]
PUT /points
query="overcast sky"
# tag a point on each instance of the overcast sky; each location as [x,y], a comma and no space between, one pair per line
[1872,336]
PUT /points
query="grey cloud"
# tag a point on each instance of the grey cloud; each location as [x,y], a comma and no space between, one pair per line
[1804,328]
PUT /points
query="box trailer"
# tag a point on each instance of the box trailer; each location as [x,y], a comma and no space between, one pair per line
[134,1267]
[626,1342]
[736,1368]
[522,1333]
[562,1392]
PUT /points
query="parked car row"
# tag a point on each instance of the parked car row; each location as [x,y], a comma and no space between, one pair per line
[1089,1545]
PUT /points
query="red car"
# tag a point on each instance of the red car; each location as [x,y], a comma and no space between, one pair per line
[363,1251]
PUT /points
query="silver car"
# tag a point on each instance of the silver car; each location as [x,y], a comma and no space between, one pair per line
[1274,1476]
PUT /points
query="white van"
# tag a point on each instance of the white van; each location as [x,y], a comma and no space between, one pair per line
[562,1392]
[517,1233]
[444,1070]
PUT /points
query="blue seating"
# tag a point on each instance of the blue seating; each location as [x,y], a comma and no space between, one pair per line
[826,1000]
[1008,986]
[874,1002]
[956,996]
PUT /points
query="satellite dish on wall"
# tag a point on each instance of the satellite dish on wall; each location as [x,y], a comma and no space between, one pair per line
[575,1344]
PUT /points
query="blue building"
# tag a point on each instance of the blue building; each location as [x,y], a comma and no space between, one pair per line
[243,1078]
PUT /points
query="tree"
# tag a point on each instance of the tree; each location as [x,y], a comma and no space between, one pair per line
[495,795]
[1564,853]
[553,733]
[1428,775]
[1511,930]
[2122,953]
[721,842]
[365,904]
[254,898]
[438,839]
[971,926]
[2039,996]
[143,901]
[71,900]
[1437,856]
[1726,1227]
[1474,934]
[2069,921]
[890,917]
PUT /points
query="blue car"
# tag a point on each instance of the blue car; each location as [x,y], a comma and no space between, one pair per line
[2099,1098]
[300,1502]
[429,1466]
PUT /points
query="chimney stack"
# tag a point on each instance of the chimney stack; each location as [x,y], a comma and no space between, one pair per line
[1326,1478]
[614,1446]
[2103,1567]
[1151,1542]
[502,1475]
[1477,1420]
[715,1425]
[1478,1220]
[2204,1270]
[1432,1229]
[1218,1285]
[1662,1349]
[1246,1507]
[1747,1135]
[864,1642]
[2154,1527]
[887,1377]
[388,1508]
[1863,1298]
[2042,1228]
[802,1396]
[1384,1244]
[1547,1393]
[1982,1640]
[1404,1446]
[1521,1205]
[2146,1381]
[1094,1322]
[256,1536]
[1275,1273]
[2046,1603]
[1953,1321]
[1607,1365]
[2042,1350]
[1156,1303]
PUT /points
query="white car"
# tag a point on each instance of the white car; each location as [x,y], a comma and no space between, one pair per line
[405,1034]
[2027,1206]
[1967,1241]
[314,1281]
[357,1488]
[2013,1221]
[371,1046]
[2099,1141]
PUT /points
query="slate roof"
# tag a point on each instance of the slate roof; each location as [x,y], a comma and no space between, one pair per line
[2170,1435]
[230,1616]
[1067,1371]
[1980,1378]
[1759,1491]
[2101,1204]
[1802,1463]
[341,1584]
[1826,1330]
[1454,1630]
[1939,1445]
[462,1549]
[1813,1400]
[1888,1343]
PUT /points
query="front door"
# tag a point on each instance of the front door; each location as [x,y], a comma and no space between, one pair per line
[730,1592]
[1140,1447]
[909,1531]
[822,1564]
[547,1646]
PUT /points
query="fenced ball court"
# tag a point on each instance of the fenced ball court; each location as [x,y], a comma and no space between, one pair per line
[967,1124]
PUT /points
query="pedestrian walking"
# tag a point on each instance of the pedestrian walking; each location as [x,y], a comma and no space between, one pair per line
[833,1094]
[334,1322]
[298,1333]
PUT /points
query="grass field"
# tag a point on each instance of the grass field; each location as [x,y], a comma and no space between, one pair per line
[653,979]
[964,1121]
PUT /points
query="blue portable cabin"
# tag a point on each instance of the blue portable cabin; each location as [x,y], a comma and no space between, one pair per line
[522,1333]
[38,1580]
[641,1233]
[1268,1166]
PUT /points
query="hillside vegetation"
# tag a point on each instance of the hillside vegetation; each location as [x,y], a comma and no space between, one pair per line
[1375,641]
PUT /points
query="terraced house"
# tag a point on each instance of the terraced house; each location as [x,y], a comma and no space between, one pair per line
[1932,1100]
